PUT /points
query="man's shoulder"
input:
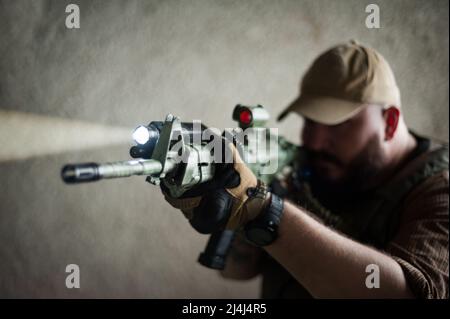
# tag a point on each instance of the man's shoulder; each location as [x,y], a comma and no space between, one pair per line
[428,199]
[428,175]
[428,159]
[436,182]
[420,244]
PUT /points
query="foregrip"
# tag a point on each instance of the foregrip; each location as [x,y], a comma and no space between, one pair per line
[211,217]
[217,249]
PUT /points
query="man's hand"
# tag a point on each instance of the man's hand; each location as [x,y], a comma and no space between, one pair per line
[226,195]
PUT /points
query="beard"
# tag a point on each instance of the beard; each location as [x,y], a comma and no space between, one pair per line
[359,173]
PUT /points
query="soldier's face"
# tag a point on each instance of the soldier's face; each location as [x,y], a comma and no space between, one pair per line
[349,153]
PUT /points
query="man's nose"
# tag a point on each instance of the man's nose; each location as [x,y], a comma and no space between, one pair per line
[315,136]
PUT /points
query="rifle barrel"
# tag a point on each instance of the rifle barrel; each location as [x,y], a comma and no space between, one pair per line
[88,172]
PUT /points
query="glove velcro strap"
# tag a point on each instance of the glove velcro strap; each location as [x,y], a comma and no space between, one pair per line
[245,211]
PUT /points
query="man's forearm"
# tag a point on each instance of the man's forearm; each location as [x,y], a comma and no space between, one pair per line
[330,265]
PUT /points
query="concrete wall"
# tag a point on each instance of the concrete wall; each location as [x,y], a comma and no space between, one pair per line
[135,61]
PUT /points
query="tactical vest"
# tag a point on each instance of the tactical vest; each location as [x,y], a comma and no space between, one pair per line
[372,219]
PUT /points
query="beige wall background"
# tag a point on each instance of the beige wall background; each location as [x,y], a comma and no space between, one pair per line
[135,61]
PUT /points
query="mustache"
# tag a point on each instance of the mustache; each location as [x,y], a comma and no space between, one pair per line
[314,156]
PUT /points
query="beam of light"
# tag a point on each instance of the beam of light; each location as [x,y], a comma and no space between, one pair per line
[26,135]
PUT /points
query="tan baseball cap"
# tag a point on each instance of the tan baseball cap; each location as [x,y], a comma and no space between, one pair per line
[341,81]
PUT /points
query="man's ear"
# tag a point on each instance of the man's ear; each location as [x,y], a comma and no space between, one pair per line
[391,117]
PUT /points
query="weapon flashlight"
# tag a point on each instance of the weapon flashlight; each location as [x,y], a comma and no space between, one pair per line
[146,137]
[141,135]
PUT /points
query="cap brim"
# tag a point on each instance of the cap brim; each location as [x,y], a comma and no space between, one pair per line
[324,110]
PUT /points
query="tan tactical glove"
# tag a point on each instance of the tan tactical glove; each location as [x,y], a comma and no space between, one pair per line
[239,182]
